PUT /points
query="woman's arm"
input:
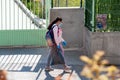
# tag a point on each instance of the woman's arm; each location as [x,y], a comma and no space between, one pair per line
[55,32]
[63,40]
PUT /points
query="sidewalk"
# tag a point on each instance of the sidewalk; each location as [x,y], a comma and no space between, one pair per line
[29,64]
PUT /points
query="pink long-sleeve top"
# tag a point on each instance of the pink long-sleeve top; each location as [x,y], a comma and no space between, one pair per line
[57,31]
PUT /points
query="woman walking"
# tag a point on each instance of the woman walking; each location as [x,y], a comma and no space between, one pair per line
[56,54]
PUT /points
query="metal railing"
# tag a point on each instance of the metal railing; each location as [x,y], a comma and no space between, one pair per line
[109,11]
[19,14]
[88,14]
[22,23]
[102,15]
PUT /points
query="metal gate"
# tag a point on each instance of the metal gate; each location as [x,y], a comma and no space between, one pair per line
[23,22]
[111,8]
[107,11]
[88,14]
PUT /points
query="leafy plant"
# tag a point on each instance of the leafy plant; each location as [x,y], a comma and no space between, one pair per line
[96,68]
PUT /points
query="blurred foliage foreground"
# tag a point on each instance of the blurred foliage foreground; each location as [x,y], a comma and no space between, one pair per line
[96,69]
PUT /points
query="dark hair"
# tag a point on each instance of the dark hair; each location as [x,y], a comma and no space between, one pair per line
[53,22]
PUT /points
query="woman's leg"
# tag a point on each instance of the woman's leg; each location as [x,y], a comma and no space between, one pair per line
[62,52]
[48,66]
[49,58]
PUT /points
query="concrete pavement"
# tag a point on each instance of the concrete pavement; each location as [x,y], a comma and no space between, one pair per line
[29,64]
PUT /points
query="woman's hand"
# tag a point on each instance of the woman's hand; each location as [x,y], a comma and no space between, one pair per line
[58,46]
[64,43]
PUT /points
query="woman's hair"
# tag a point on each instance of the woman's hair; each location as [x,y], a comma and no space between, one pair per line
[53,22]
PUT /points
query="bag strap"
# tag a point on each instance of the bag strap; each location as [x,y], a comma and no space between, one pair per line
[53,27]
[58,29]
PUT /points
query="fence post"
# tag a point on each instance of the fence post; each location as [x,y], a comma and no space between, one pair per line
[66,3]
[58,3]
[80,3]
[48,7]
[93,16]
[51,3]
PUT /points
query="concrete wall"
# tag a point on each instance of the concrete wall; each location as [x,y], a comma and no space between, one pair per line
[87,41]
[78,36]
[107,41]
[73,19]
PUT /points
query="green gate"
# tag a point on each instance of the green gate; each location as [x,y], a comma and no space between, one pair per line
[23,22]
[88,14]
[103,13]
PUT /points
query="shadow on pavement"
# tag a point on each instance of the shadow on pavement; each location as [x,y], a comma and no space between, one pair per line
[34,60]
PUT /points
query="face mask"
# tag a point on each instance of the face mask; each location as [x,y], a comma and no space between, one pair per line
[60,25]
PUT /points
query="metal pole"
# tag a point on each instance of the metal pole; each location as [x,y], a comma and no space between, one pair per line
[30,12]
[18,17]
[44,9]
[51,3]
[48,7]
[66,3]
[55,3]
[5,16]
[1,16]
[80,3]
[26,15]
[93,15]
[38,12]
[58,3]
[10,13]
[34,12]
[14,15]
[22,18]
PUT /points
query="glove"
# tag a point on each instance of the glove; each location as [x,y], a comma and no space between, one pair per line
[64,43]
[58,46]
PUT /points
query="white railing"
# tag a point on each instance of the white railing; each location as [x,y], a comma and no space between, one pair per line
[15,15]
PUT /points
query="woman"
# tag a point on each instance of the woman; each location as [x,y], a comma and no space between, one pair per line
[56,55]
